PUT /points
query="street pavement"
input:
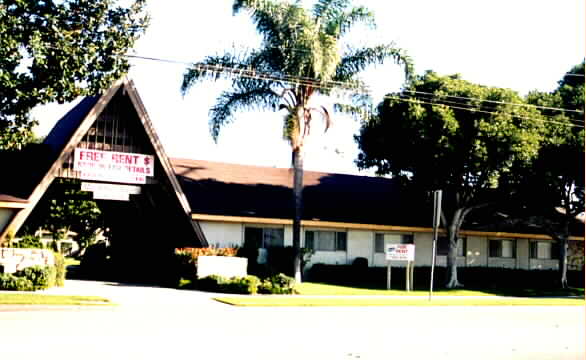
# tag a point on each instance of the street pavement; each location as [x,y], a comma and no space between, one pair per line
[160,323]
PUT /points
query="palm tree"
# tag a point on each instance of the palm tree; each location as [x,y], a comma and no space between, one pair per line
[299,58]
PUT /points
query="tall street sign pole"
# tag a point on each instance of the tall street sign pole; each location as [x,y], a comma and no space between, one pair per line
[437,208]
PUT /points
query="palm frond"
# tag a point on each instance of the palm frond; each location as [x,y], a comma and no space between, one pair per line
[329,9]
[211,68]
[241,99]
[341,24]
[360,106]
[358,59]
[267,15]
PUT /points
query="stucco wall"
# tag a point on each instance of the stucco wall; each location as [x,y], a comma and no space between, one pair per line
[5,216]
[476,251]
[361,244]
[223,234]
[522,254]
[423,252]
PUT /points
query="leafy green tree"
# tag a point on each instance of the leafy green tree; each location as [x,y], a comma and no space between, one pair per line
[55,51]
[65,208]
[299,58]
[444,133]
[557,174]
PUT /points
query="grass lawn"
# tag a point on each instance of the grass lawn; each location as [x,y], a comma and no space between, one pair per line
[316,294]
[283,300]
[71,261]
[309,288]
[43,299]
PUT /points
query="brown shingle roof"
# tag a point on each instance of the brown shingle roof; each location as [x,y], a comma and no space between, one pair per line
[242,190]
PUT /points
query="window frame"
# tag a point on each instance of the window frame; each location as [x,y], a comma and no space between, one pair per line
[499,249]
[263,244]
[534,250]
[340,240]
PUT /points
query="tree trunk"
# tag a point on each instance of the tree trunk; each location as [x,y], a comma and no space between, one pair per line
[563,252]
[563,262]
[298,204]
[452,258]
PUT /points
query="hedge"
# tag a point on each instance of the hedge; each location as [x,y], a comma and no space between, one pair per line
[471,277]
[36,277]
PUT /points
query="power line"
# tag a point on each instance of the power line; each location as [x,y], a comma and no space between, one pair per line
[495,101]
[331,85]
[471,106]
[418,101]
[253,74]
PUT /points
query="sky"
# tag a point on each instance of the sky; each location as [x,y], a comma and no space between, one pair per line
[522,45]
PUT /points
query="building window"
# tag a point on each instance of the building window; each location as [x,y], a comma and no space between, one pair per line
[442,246]
[326,240]
[501,249]
[379,241]
[263,237]
[545,250]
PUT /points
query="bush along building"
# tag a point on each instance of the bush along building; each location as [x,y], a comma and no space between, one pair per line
[107,146]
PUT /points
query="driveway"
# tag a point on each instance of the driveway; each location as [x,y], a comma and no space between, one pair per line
[158,323]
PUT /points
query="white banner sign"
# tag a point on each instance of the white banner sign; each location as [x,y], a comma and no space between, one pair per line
[400,252]
[113,166]
[111,191]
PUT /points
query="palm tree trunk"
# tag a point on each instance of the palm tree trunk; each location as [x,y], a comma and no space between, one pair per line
[298,204]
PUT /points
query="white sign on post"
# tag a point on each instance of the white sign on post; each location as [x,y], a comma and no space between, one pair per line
[400,252]
[113,166]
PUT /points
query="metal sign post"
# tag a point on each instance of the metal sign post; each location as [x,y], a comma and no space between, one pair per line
[437,208]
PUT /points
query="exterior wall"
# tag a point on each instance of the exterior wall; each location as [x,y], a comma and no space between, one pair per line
[523,254]
[540,264]
[423,252]
[476,251]
[5,217]
[361,243]
[220,234]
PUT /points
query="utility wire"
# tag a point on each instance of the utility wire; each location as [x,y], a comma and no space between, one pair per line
[253,74]
[495,101]
[418,101]
[332,85]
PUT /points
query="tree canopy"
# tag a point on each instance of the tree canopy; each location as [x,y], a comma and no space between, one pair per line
[444,133]
[557,173]
[55,51]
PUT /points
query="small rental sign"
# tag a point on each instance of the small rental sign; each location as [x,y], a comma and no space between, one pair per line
[400,252]
[113,166]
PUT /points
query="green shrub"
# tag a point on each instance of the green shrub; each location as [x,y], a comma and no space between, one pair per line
[12,282]
[29,242]
[278,284]
[235,285]
[211,283]
[241,285]
[39,276]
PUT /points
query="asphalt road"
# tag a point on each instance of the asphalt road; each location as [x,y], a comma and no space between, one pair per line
[157,323]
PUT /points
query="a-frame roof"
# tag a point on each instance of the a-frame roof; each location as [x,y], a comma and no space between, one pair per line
[67,134]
